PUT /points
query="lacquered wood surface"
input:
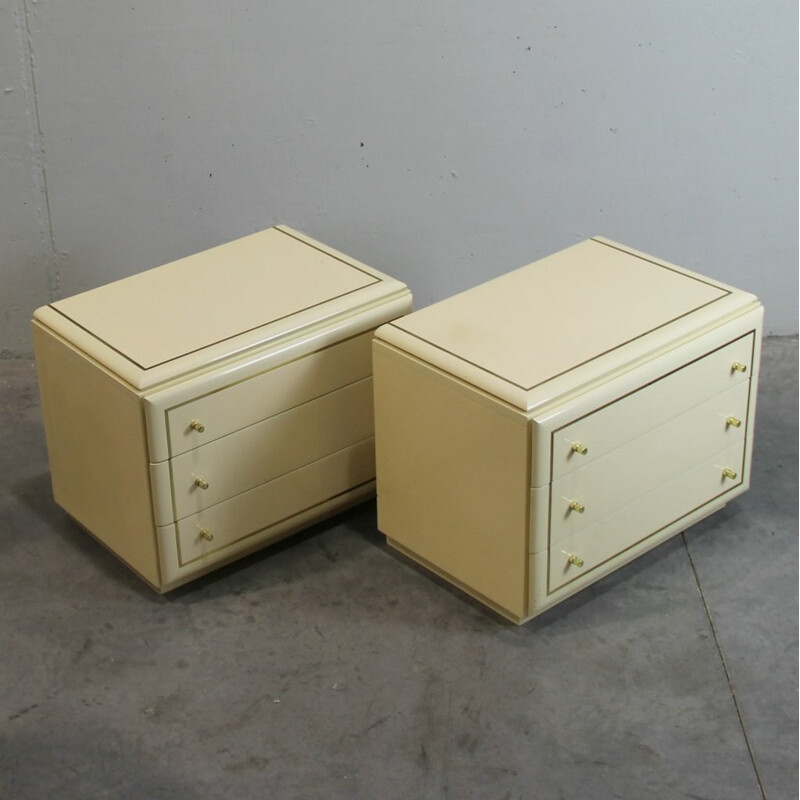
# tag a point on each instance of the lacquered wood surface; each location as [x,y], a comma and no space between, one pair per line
[237,518]
[647,463]
[250,293]
[565,322]
[169,311]
[231,388]
[245,402]
[623,399]
[633,415]
[646,516]
[268,449]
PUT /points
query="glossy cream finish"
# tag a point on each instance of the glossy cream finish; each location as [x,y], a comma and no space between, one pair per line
[220,389]
[646,516]
[581,283]
[568,412]
[623,450]
[265,427]
[273,502]
[452,479]
[248,400]
[606,310]
[184,325]
[647,463]
[541,597]
[270,448]
[101,479]
[176,574]
[628,418]
[138,316]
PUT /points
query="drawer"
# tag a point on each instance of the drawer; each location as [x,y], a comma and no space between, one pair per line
[641,466]
[652,405]
[644,517]
[234,520]
[219,413]
[270,448]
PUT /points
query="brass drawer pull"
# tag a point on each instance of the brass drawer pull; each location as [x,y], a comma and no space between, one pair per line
[734,422]
[727,472]
[576,561]
[206,534]
[577,447]
[196,425]
[574,505]
[737,366]
[201,483]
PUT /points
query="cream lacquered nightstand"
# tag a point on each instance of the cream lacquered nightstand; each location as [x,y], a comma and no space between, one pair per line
[201,410]
[540,430]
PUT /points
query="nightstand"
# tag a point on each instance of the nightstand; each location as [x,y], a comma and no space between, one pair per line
[200,410]
[540,430]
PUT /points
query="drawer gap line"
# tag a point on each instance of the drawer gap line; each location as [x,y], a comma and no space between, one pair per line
[633,544]
[277,477]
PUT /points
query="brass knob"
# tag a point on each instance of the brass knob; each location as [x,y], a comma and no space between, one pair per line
[196,425]
[727,472]
[733,422]
[206,534]
[574,505]
[577,447]
[737,366]
[203,484]
[576,561]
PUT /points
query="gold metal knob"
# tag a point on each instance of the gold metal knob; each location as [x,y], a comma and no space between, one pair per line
[206,534]
[733,422]
[196,425]
[574,505]
[737,366]
[202,483]
[576,561]
[577,447]
[727,472]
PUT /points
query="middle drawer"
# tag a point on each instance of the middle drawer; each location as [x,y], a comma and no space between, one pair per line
[270,448]
[586,495]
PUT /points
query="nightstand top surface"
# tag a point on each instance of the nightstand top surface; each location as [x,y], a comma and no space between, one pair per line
[261,287]
[595,303]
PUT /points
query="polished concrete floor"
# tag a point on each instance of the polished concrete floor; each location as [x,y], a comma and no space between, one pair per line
[327,667]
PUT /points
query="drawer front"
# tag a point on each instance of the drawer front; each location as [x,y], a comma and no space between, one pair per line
[234,407]
[262,452]
[576,556]
[587,439]
[584,496]
[240,517]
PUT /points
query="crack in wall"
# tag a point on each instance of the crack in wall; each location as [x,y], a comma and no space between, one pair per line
[49,252]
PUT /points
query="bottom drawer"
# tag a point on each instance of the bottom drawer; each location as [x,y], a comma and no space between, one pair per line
[576,556]
[234,520]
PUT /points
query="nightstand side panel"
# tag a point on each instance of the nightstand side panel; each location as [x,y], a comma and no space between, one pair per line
[452,480]
[97,447]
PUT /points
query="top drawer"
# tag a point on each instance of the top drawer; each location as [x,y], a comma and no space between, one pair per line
[624,420]
[246,402]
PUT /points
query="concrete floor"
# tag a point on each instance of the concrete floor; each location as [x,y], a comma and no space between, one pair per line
[327,667]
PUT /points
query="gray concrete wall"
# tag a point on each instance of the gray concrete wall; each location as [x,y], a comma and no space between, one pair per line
[444,142]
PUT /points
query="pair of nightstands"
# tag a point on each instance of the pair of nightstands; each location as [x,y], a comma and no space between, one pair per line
[533,433]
